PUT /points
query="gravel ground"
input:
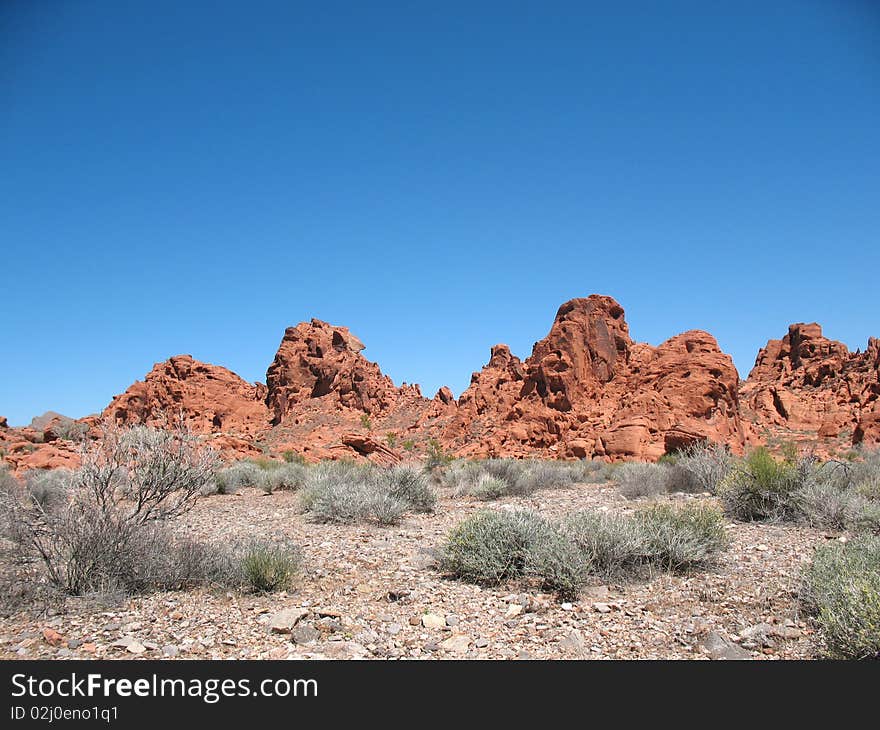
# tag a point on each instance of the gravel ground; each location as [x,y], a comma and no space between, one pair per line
[372,592]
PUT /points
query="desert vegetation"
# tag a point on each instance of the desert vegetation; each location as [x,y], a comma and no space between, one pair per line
[493,547]
[116,526]
[108,526]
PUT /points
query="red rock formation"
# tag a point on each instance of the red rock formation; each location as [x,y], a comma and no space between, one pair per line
[589,390]
[210,398]
[318,360]
[24,448]
[806,387]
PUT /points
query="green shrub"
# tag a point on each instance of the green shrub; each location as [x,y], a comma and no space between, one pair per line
[681,538]
[436,456]
[761,487]
[841,591]
[267,567]
[292,457]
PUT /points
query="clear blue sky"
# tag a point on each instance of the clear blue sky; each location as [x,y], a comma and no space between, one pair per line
[193,177]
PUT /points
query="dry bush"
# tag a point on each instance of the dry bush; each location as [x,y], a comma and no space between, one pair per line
[841,591]
[99,526]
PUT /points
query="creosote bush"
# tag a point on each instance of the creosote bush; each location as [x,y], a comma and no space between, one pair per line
[99,526]
[762,487]
[493,547]
[841,592]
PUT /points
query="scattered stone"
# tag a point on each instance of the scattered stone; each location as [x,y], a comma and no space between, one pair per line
[718,647]
[457,644]
[345,650]
[170,650]
[305,634]
[433,621]
[514,609]
[574,643]
[130,644]
[602,607]
[451,619]
[52,637]
[284,621]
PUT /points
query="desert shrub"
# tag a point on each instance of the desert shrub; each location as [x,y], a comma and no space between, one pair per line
[708,463]
[681,479]
[761,487]
[436,456]
[266,567]
[556,563]
[292,457]
[592,471]
[383,508]
[841,591]
[681,538]
[489,487]
[66,429]
[241,474]
[344,502]
[409,484]
[612,544]
[325,476]
[343,493]
[829,505]
[492,547]
[496,478]
[288,475]
[48,488]
[131,482]
[7,481]
[640,479]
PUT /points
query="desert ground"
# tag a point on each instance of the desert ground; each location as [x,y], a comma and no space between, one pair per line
[373,592]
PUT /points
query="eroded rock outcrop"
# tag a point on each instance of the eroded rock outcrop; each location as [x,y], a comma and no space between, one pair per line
[588,390]
[808,388]
[317,360]
[209,398]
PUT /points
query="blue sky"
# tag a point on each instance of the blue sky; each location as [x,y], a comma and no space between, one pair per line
[194,177]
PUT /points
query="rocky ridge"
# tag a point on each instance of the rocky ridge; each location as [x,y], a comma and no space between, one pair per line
[588,390]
